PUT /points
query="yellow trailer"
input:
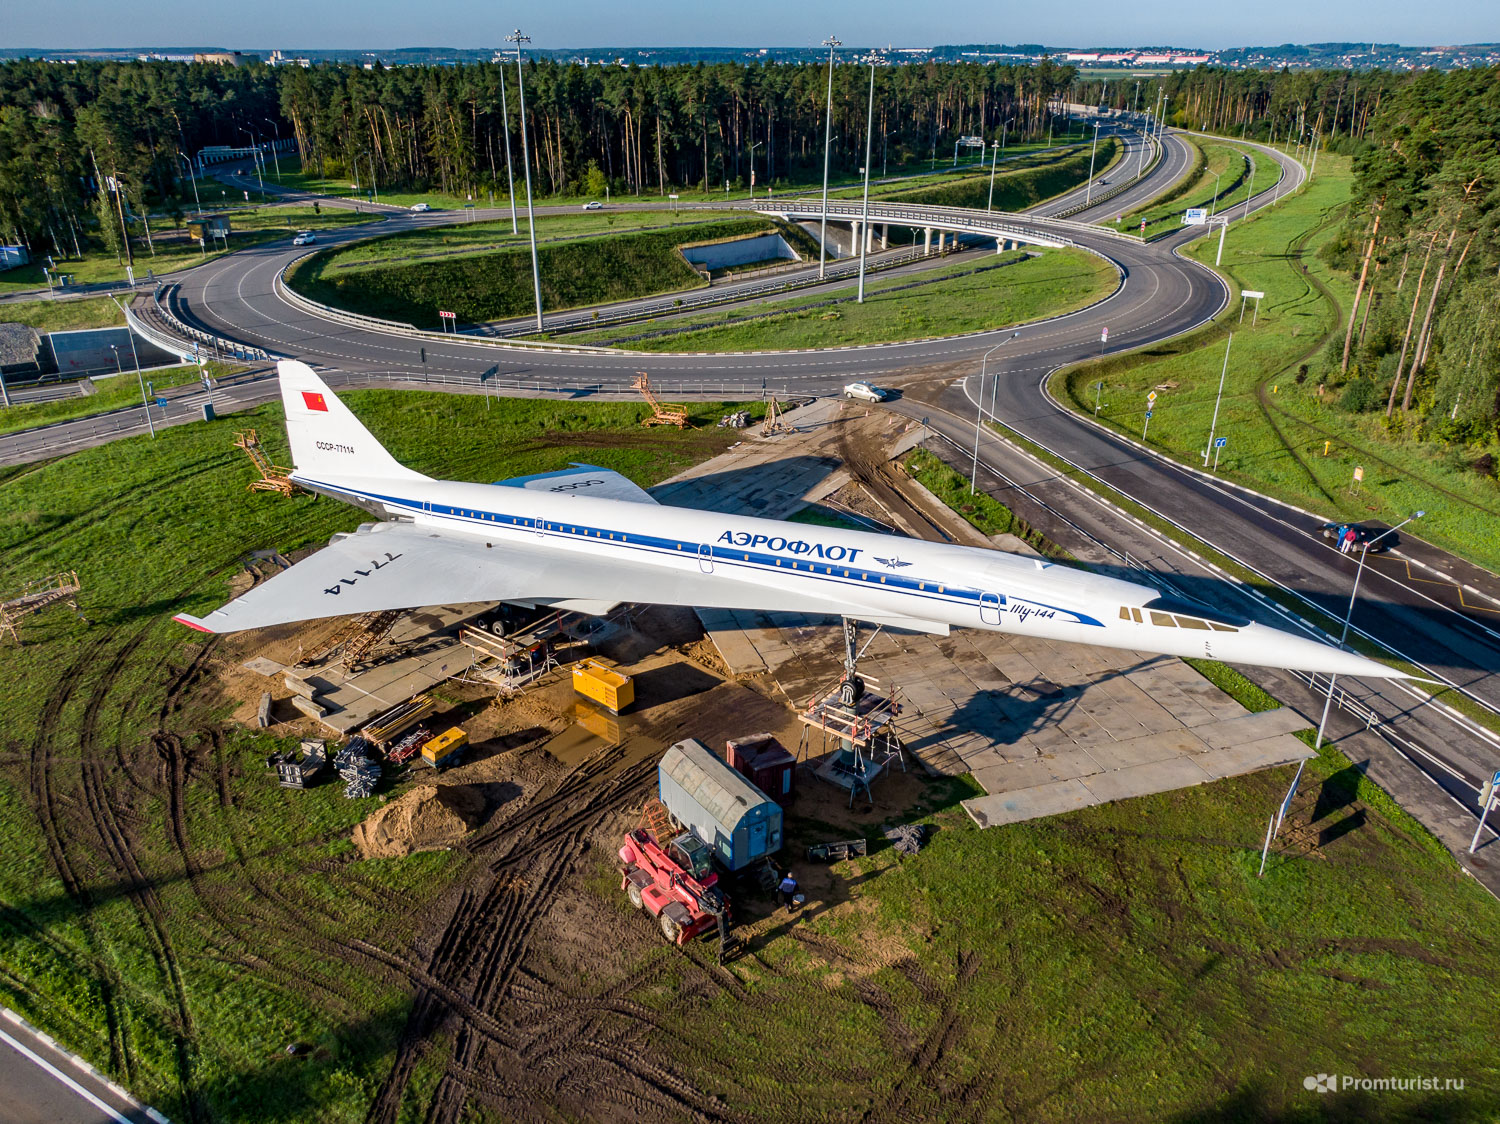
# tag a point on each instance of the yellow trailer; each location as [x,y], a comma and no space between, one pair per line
[443,749]
[604,685]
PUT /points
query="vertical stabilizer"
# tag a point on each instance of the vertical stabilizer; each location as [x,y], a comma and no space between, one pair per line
[327,440]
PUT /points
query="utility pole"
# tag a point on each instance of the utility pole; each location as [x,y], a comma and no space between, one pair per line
[536,274]
[874,59]
[831,43]
[276,132]
[510,179]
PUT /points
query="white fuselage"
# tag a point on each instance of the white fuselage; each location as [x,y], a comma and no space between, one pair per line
[857,574]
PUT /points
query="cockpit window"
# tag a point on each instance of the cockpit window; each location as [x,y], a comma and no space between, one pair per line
[1183,607]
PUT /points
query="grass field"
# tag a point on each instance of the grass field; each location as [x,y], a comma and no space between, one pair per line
[1054,282]
[1017,190]
[1233,164]
[249,226]
[498,284]
[164,909]
[62,315]
[464,239]
[1277,426]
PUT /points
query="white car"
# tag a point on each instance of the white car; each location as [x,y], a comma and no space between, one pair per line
[865,392]
[420,208]
[593,205]
[304,238]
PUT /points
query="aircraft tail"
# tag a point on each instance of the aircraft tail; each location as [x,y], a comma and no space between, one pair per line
[327,439]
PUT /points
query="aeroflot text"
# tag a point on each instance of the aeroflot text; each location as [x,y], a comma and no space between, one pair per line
[795,546]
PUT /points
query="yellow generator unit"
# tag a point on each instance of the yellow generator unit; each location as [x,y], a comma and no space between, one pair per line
[446,748]
[604,685]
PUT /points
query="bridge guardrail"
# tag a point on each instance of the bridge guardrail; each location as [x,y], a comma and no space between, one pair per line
[1106,196]
[222,348]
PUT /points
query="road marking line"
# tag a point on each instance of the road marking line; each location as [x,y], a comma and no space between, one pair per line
[20,1048]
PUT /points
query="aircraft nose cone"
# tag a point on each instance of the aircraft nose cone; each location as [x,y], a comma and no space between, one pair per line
[1297,653]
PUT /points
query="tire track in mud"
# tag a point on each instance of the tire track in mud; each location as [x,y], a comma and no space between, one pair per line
[44,804]
[548,1039]
[150,913]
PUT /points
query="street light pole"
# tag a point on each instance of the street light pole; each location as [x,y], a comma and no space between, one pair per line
[194,180]
[1088,192]
[1349,615]
[754,145]
[874,58]
[988,206]
[374,187]
[536,274]
[1213,206]
[510,179]
[276,132]
[1213,425]
[831,43]
[979,408]
[255,156]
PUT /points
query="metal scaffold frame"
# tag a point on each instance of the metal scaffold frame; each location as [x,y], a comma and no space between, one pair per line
[273,478]
[37,595]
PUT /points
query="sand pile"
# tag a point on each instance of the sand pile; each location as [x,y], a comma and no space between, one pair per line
[427,818]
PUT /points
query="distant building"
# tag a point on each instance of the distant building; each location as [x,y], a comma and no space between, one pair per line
[1081,56]
[1153,60]
[225,58]
[12,256]
[279,59]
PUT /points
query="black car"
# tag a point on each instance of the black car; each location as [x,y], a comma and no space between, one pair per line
[1379,539]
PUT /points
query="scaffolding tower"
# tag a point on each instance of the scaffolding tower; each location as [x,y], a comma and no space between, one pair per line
[273,478]
[775,419]
[37,595]
[661,413]
[358,637]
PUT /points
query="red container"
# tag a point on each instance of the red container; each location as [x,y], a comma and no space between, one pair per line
[765,762]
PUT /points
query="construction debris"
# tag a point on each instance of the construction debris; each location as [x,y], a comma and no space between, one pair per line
[382,729]
[833,852]
[907,838]
[661,413]
[739,419]
[294,771]
[358,771]
[273,478]
[38,595]
[408,747]
[263,712]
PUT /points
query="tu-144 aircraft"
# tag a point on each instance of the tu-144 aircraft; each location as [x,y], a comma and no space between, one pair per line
[587,539]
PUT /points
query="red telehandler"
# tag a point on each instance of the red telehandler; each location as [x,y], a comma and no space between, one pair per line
[675,883]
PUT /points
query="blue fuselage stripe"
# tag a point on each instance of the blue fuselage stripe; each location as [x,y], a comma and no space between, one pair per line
[826,572]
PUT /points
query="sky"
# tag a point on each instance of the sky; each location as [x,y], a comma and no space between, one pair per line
[377,24]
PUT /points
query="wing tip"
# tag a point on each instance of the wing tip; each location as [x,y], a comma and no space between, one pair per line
[192,622]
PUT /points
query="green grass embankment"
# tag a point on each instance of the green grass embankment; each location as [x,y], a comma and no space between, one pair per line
[498,285]
[1241,170]
[1014,191]
[63,315]
[1276,426]
[965,297]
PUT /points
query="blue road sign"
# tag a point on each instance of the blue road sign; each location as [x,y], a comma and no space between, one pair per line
[1148,415]
[162,402]
[1221,442]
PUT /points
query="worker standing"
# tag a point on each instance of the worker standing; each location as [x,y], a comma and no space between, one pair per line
[788,890]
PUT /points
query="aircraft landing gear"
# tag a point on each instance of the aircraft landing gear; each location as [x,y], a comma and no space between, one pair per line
[852,687]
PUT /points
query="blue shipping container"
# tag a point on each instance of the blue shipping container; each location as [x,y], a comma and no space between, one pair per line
[739,822]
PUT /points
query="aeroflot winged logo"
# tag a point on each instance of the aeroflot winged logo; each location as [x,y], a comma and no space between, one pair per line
[893,563]
[314,401]
[799,547]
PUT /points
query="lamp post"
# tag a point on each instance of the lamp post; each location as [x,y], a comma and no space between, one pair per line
[991,203]
[255,156]
[979,408]
[536,274]
[874,59]
[1214,425]
[374,188]
[194,180]
[1349,614]
[754,145]
[510,179]
[1088,192]
[1212,207]
[831,43]
[276,132]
